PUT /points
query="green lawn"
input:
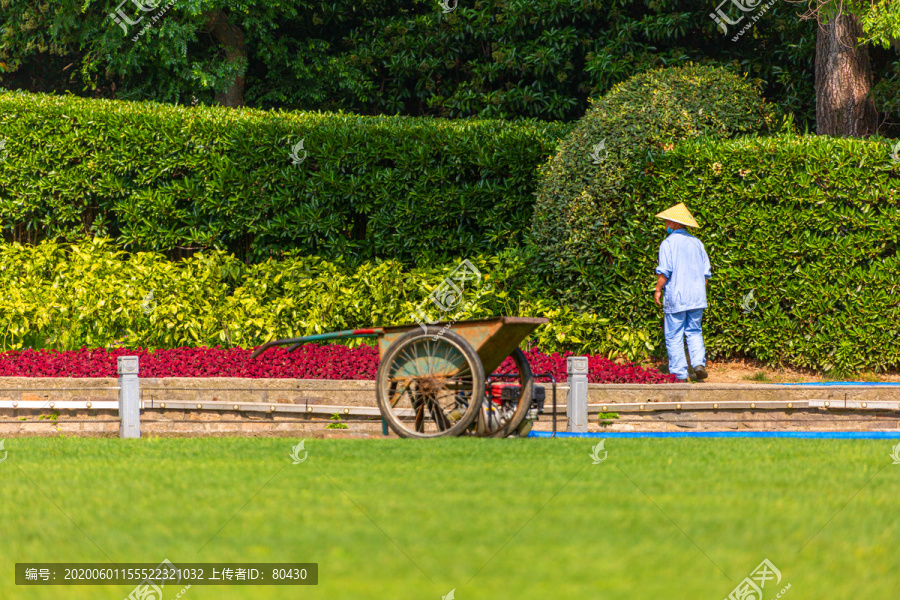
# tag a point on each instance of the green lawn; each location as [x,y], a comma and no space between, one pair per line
[494,519]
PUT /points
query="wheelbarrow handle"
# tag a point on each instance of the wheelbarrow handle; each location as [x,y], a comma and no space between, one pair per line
[334,335]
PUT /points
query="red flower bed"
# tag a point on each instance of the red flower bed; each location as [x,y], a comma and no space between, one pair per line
[600,369]
[310,361]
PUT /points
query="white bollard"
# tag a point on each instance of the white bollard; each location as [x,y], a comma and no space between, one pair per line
[129,397]
[576,398]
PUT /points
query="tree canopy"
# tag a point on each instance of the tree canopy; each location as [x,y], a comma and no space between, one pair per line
[489,58]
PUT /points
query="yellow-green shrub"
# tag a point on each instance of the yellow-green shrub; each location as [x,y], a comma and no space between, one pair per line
[93,294]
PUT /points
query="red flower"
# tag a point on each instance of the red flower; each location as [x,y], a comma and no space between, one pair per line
[310,361]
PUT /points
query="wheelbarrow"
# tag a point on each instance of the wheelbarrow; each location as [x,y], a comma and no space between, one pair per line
[431,380]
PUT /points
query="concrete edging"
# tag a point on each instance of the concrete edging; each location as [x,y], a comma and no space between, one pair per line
[239,406]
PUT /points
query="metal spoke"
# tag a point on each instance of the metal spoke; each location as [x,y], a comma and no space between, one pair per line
[420,418]
[430,354]
[440,419]
[436,377]
[398,395]
[452,394]
[415,363]
[409,359]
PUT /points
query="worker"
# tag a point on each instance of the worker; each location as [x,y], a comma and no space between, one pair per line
[682,273]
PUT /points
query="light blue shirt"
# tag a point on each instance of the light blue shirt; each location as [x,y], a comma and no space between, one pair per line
[683,260]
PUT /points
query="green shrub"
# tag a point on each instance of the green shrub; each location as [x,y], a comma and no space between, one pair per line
[175,179]
[91,294]
[605,419]
[487,58]
[336,422]
[579,222]
[806,224]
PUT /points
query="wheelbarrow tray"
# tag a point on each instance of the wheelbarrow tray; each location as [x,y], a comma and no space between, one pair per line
[493,339]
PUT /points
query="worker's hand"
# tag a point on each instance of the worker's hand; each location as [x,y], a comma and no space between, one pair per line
[661,281]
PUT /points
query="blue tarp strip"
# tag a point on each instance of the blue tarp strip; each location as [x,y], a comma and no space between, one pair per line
[821,383]
[821,435]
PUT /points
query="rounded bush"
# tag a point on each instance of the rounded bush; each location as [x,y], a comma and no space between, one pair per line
[576,220]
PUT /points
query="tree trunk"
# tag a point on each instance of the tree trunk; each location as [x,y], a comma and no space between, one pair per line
[231,38]
[843,80]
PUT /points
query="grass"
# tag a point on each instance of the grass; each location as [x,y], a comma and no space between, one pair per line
[758,376]
[868,376]
[605,419]
[492,519]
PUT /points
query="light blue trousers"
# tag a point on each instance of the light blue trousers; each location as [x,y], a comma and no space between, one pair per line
[681,325]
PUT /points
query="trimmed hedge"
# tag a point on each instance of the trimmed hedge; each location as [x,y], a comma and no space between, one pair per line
[803,236]
[91,294]
[579,195]
[177,179]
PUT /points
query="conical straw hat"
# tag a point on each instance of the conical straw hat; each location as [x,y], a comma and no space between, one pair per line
[680,214]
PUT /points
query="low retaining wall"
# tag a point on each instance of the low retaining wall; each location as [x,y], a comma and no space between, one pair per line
[300,408]
[164,423]
[714,392]
[362,393]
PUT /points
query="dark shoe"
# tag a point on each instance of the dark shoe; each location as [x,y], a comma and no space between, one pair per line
[681,381]
[701,373]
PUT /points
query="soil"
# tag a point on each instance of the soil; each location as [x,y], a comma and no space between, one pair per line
[751,371]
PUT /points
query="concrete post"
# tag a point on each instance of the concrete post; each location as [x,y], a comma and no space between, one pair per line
[129,397]
[576,399]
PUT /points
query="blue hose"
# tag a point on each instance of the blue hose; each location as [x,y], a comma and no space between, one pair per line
[865,383]
[816,435]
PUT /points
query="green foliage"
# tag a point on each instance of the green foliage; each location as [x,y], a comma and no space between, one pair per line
[807,224]
[605,419]
[579,224]
[177,59]
[91,294]
[886,95]
[336,422]
[487,58]
[880,21]
[177,179]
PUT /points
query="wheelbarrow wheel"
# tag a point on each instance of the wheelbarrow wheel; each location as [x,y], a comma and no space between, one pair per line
[503,419]
[430,384]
